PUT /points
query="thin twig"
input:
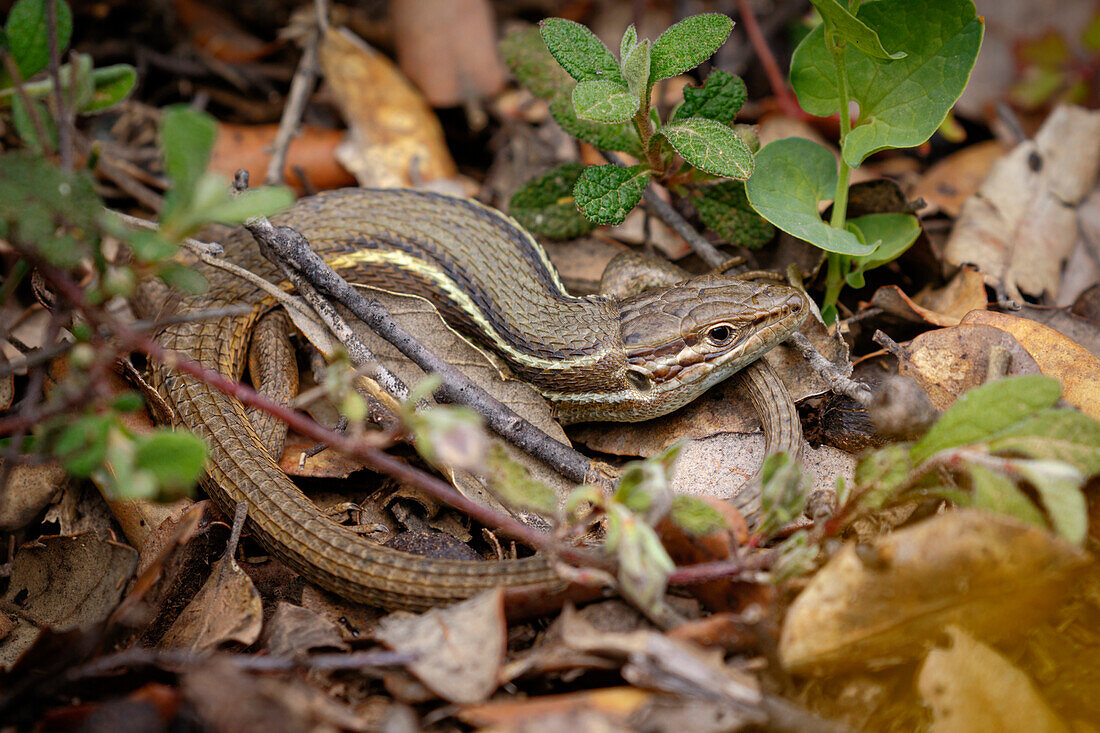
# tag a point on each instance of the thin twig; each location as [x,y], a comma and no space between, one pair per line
[32,112]
[64,122]
[300,87]
[775,76]
[838,382]
[285,243]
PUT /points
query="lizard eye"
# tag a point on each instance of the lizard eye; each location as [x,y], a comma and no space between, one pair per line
[639,381]
[720,335]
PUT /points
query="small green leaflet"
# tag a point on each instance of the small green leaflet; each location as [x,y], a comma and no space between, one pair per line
[607,193]
[710,146]
[579,51]
[688,43]
[604,101]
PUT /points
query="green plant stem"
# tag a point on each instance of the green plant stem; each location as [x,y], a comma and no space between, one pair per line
[644,127]
[837,263]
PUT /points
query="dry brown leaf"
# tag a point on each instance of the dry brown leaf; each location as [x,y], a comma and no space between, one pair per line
[64,583]
[949,361]
[952,180]
[293,631]
[1056,355]
[607,709]
[448,49]
[27,491]
[986,573]
[459,649]
[312,152]
[1021,225]
[226,609]
[217,33]
[970,687]
[943,307]
[326,464]
[394,138]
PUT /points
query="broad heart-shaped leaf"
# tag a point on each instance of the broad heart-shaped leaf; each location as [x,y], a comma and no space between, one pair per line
[792,175]
[983,412]
[901,102]
[710,146]
[851,29]
[720,98]
[27,37]
[604,101]
[894,234]
[607,193]
[688,43]
[621,136]
[579,51]
[530,60]
[545,204]
[725,210]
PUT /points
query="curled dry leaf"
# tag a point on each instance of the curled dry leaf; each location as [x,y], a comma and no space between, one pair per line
[971,687]
[1020,226]
[226,609]
[945,306]
[949,361]
[1057,356]
[459,649]
[947,184]
[448,49]
[63,583]
[312,155]
[295,631]
[986,573]
[27,491]
[394,138]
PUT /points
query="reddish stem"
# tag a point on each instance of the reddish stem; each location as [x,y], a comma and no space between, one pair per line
[787,103]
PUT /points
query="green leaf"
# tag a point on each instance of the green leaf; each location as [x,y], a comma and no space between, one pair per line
[253,202]
[184,278]
[838,20]
[149,246]
[82,445]
[526,55]
[636,71]
[607,193]
[112,84]
[512,484]
[997,493]
[27,37]
[1059,487]
[725,209]
[901,102]
[186,139]
[604,101]
[695,516]
[622,136]
[894,234]
[127,402]
[629,40]
[176,459]
[983,412]
[1056,434]
[579,51]
[720,98]
[792,175]
[710,146]
[688,43]
[78,82]
[545,205]
[24,125]
[785,490]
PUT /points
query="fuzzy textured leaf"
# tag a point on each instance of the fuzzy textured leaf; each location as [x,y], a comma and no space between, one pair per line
[1056,434]
[710,146]
[620,136]
[112,84]
[636,66]
[1059,487]
[26,34]
[902,102]
[530,60]
[186,137]
[792,176]
[997,493]
[607,193]
[175,458]
[725,209]
[545,204]
[629,40]
[604,101]
[983,412]
[720,98]
[688,43]
[579,51]
[838,20]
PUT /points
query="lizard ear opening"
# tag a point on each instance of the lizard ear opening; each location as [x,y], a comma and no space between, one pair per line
[640,382]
